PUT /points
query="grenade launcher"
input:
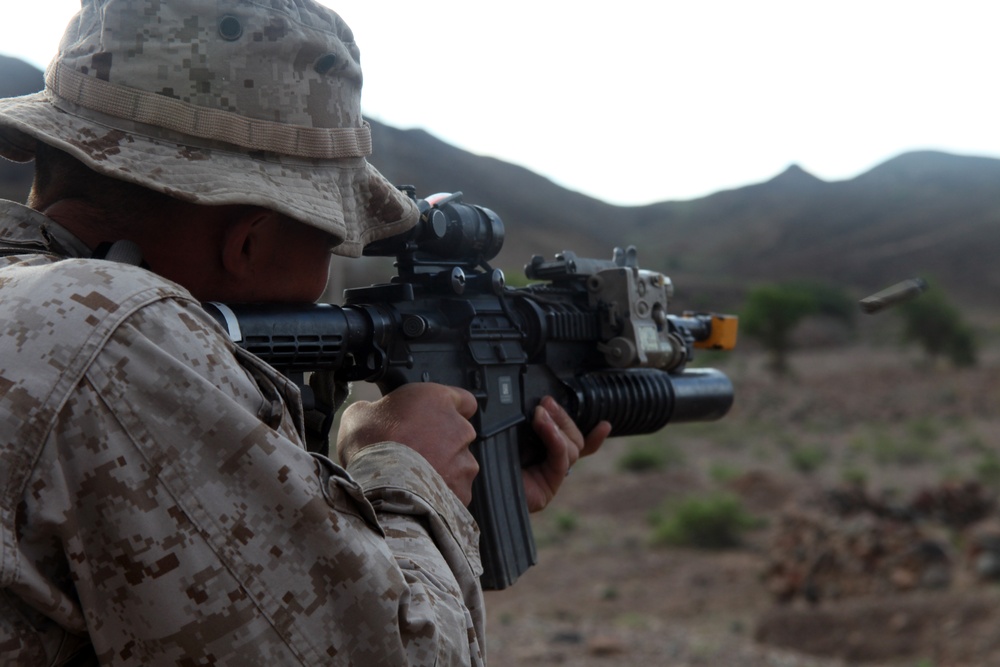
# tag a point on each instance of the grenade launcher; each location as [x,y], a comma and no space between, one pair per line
[593,334]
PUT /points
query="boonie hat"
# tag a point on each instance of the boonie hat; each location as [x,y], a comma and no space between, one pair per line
[217,102]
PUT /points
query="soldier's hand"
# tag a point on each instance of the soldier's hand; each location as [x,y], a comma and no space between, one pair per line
[564,445]
[432,419]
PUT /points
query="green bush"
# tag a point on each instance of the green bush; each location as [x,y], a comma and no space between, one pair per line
[854,476]
[566,521]
[933,323]
[807,459]
[723,473]
[924,429]
[714,521]
[770,315]
[649,456]
[918,445]
[773,311]
[988,469]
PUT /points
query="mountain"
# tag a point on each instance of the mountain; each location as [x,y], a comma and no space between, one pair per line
[17,78]
[927,214]
[539,216]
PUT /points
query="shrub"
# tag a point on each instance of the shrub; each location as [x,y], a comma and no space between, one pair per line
[988,469]
[807,459]
[933,323]
[647,456]
[723,473]
[854,476]
[773,311]
[715,521]
[566,521]
[771,314]
[916,446]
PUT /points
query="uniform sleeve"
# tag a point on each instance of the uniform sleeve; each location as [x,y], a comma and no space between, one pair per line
[426,525]
[196,529]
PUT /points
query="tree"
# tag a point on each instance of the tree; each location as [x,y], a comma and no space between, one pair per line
[773,311]
[933,323]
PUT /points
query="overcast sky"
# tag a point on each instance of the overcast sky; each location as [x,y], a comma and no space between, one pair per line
[637,101]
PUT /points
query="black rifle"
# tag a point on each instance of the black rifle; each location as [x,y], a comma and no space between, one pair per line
[595,335]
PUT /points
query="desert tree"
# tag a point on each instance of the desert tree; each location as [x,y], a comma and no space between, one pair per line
[772,312]
[936,325]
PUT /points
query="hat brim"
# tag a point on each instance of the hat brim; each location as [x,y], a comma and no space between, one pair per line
[346,197]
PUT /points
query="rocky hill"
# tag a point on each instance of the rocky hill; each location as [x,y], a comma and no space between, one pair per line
[928,214]
[920,214]
[925,214]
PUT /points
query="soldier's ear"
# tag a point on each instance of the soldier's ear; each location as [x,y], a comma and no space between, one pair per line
[244,242]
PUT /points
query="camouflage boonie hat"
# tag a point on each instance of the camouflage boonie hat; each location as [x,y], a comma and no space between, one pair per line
[217,102]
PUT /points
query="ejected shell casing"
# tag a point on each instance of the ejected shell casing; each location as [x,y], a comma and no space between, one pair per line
[891,296]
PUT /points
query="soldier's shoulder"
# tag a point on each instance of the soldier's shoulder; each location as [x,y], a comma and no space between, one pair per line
[79,303]
[88,281]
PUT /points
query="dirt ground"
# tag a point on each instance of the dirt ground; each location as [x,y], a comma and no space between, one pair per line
[856,422]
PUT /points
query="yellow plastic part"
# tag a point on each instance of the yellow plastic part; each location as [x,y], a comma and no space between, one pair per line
[723,336]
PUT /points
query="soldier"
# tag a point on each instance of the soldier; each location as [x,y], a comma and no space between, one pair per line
[158,505]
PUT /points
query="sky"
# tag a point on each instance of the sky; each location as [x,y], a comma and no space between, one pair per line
[639,101]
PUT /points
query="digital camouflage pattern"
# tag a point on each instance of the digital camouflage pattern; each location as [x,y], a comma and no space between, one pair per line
[217,102]
[158,507]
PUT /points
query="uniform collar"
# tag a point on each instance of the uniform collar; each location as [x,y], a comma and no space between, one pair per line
[22,225]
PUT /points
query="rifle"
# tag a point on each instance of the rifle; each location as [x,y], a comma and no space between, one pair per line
[594,334]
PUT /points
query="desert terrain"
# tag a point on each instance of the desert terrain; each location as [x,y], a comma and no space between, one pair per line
[867,480]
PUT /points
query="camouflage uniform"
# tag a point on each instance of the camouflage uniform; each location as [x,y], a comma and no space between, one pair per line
[158,505]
